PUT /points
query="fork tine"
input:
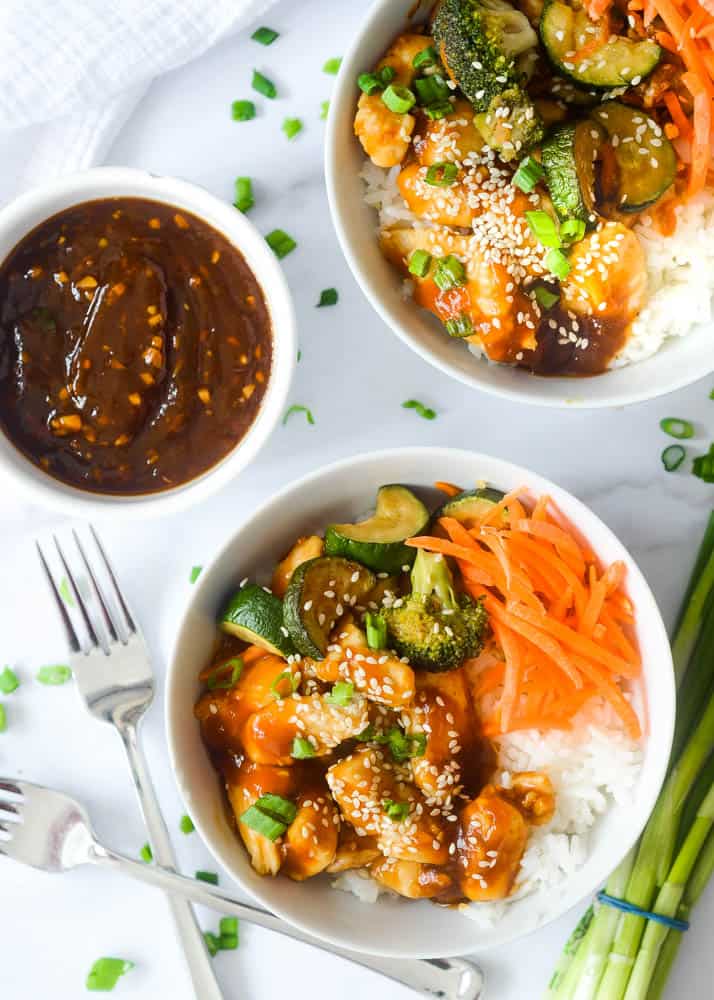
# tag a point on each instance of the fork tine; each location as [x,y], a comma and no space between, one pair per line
[116,633]
[10,786]
[8,810]
[94,632]
[71,634]
[112,576]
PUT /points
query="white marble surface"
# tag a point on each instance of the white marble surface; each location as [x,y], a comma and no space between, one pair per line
[354,374]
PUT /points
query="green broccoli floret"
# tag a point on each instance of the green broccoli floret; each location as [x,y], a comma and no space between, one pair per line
[435,628]
[480,43]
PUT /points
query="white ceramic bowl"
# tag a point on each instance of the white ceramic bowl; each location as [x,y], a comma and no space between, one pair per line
[24,213]
[395,927]
[679,363]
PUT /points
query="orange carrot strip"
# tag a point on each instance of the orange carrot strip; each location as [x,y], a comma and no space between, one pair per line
[596,600]
[619,639]
[544,552]
[548,645]
[513,672]
[518,586]
[540,511]
[503,503]
[614,576]
[702,117]
[612,693]
[689,50]
[676,113]
[566,546]
[560,608]
[489,679]
[448,488]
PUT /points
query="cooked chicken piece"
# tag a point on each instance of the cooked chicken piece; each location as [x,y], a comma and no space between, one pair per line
[450,205]
[245,787]
[490,843]
[449,139]
[410,878]
[380,676]
[310,843]
[386,135]
[268,734]
[353,851]
[608,275]
[306,548]
[532,793]
[363,783]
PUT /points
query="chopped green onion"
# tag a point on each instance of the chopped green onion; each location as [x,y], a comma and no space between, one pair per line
[186,824]
[711,394]
[146,854]
[299,355]
[54,675]
[328,297]
[66,592]
[278,807]
[291,127]
[265,36]
[557,263]
[259,821]
[299,409]
[545,297]
[544,228]
[432,90]
[398,99]
[441,174]
[332,66]
[419,263]
[402,746]
[242,111]
[437,111]
[263,85]
[219,680]
[459,326]
[292,682]
[195,573]
[105,974]
[302,748]
[244,200]
[280,243]
[703,466]
[676,428]
[369,83]
[572,230]
[528,174]
[3,718]
[449,272]
[376,630]
[424,411]
[213,944]
[672,457]
[386,74]
[395,810]
[427,57]
[8,681]
[324,109]
[209,877]
[367,735]
[341,694]
[228,930]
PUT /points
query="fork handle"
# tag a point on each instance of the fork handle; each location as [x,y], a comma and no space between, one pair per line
[446,979]
[197,958]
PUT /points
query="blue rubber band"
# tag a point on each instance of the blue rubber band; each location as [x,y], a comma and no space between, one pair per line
[659,918]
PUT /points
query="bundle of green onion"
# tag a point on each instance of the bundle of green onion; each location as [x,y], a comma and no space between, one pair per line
[623,956]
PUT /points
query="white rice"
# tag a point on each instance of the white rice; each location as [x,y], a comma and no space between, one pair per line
[592,767]
[680,267]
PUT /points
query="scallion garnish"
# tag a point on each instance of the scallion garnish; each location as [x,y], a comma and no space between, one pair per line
[66,592]
[186,824]
[243,194]
[324,110]
[265,36]
[3,718]
[544,228]
[376,630]
[277,806]
[557,263]
[266,825]
[672,457]
[8,681]
[427,57]
[441,174]
[328,297]
[341,694]
[263,85]
[459,326]
[424,411]
[395,810]
[440,110]
[54,675]
[291,127]
[195,573]
[528,174]
[210,877]
[284,685]
[449,272]
[386,74]
[545,297]
[105,974]
[280,242]
[146,854]
[432,89]
[295,408]
[572,230]
[398,99]
[332,66]
[228,930]
[676,428]
[703,466]
[213,944]
[226,675]
[369,83]
[242,111]
[403,746]
[302,748]
[419,263]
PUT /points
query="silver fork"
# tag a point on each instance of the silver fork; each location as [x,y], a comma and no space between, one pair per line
[49,830]
[112,669]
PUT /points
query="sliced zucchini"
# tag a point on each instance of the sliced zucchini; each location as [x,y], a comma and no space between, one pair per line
[470,506]
[319,593]
[568,156]
[566,29]
[256,616]
[378,542]
[645,161]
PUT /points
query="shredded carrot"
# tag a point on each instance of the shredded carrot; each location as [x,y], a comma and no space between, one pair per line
[512,675]
[677,114]
[448,488]
[702,117]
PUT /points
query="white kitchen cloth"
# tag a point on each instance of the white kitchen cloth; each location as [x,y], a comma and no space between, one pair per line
[80,67]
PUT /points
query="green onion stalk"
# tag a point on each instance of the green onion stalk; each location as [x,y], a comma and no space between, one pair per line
[568,956]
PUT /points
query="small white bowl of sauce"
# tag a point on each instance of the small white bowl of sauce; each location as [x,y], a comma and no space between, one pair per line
[147,343]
